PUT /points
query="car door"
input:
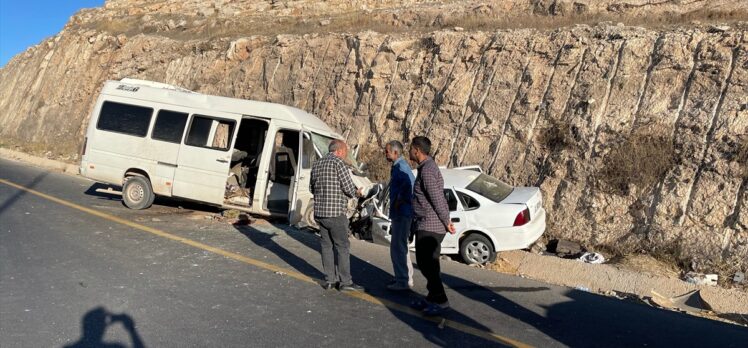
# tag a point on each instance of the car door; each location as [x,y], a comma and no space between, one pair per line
[457,216]
[203,162]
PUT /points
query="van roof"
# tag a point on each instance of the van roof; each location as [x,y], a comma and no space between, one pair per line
[168,94]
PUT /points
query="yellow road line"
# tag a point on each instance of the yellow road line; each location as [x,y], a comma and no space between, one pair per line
[264,265]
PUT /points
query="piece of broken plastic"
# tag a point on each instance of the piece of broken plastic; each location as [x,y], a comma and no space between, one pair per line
[691,301]
[593,258]
[701,279]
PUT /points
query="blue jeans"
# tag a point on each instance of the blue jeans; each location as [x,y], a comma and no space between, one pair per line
[403,268]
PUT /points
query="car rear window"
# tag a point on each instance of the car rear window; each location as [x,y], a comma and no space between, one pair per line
[490,187]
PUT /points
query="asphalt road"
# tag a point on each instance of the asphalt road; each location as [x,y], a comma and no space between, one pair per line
[76,267]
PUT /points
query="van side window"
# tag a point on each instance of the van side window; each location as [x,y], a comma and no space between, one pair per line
[124,118]
[169,126]
[210,132]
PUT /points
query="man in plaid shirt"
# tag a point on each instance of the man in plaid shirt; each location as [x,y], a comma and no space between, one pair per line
[431,223]
[332,187]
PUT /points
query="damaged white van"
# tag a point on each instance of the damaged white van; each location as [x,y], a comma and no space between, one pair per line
[156,139]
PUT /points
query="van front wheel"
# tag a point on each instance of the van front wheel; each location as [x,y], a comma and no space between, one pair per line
[137,192]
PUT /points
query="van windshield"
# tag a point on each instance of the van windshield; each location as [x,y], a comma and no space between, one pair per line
[321,142]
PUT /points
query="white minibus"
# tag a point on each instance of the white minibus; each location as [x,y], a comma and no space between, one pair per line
[156,139]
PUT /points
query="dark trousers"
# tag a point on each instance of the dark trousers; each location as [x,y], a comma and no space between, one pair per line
[336,257]
[428,250]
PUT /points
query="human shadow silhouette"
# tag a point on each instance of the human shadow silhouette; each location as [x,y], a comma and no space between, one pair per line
[94,325]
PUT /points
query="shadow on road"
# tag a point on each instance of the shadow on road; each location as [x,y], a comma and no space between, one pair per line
[373,279]
[95,324]
[160,200]
[20,193]
[585,320]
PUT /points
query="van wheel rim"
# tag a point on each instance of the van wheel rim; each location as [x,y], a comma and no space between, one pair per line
[136,193]
[478,252]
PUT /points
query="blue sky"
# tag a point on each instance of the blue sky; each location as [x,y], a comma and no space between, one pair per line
[25,23]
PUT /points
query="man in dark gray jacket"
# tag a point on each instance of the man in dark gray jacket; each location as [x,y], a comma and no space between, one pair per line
[431,223]
[332,187]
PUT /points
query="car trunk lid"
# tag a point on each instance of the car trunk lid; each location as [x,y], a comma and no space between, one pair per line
[529,196]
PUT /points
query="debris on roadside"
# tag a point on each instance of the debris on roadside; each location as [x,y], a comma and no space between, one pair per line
[230,214]
[739,278]
[564,248]
[538,248]
[243,220]
[593,258]
[236,194]
[691,301]
[701,279]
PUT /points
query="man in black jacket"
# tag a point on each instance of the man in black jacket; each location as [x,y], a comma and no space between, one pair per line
[431,223]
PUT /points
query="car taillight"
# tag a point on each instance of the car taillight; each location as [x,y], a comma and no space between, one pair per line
[83,149]
[522,218]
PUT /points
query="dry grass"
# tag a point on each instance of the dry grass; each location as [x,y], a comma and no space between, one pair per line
[557,136]
[127,25]
[641,161]
[647,264]
[387,21]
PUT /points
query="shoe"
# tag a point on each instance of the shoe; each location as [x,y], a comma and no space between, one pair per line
[351,287]
[419,304]
[328,286]
[434,310]
[398,287]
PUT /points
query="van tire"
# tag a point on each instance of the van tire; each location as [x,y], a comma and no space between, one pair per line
[477,249]
[137,192]
[309,216]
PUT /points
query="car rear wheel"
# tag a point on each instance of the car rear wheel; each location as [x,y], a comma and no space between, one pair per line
[137,193]
[477,249]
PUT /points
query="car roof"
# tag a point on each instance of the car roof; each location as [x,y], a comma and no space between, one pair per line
[459,178]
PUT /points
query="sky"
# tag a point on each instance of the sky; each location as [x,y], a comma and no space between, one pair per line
[24,23]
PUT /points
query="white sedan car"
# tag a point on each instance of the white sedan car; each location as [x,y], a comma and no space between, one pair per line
[489,215]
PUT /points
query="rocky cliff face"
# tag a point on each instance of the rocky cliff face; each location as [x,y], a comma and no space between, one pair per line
[634,129]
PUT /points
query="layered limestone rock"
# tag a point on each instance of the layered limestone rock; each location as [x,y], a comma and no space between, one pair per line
[635,134]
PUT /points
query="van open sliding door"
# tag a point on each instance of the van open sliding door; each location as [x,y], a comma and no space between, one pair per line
[203,164]
[300,194]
